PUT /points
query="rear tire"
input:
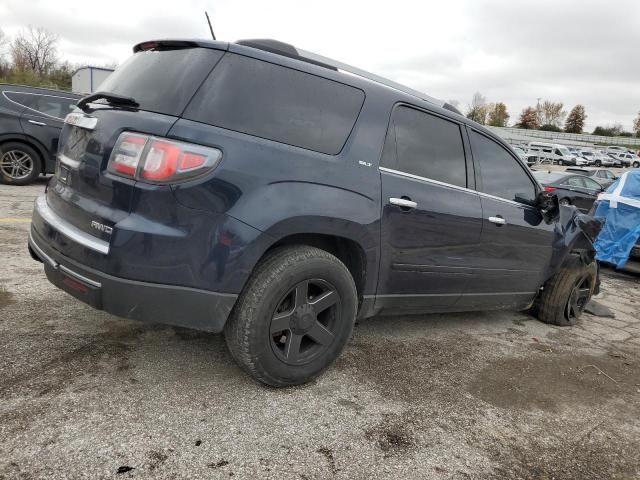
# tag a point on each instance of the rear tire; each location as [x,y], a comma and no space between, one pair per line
[565,295]
[294,316]
[636,164]
[19,163]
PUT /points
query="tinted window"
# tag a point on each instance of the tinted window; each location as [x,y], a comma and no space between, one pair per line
[592,184]
[575,182]
[502,176]
[428,146]
[17,97]
[162,81]
[53,106]
[50,105]
[277,103]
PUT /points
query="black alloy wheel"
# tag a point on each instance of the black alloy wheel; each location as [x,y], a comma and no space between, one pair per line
[303,325]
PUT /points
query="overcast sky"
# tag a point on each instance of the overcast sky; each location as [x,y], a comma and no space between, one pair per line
[574,51]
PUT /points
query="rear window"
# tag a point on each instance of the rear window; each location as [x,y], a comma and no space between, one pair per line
[162,81]
[547,177]
[277,103]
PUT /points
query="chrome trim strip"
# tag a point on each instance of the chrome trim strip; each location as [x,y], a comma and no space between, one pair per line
[456,187]
[79,277]
[69,162]
[69,230]
[43,256]
[426,295]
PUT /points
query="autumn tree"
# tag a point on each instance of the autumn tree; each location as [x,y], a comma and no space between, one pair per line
[551,113]
[575,120]
[498,115]
[478,109]
[34,49]
[636,125]
[528,119]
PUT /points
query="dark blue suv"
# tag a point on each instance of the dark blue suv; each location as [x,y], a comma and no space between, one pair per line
[277,195]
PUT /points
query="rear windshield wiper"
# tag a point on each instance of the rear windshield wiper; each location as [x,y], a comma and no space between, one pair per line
[111,98]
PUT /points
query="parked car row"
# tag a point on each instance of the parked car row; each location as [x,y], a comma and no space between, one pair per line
[579,186]
[538,153]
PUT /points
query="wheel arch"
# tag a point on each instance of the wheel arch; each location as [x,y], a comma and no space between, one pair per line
[348,251]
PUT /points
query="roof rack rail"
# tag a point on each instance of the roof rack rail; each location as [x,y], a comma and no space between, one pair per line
[369,76]
[288,50]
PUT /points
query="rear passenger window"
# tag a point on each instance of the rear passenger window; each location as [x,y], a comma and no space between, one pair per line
[53,106]
[575,182]
[50,105]
[502,176]
[427,146]
[277,103]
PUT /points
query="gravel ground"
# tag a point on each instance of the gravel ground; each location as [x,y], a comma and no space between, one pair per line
[479,395]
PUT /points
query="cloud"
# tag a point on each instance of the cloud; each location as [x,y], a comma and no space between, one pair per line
[575,51]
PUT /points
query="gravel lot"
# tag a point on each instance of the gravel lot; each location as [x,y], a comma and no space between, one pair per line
[480,395]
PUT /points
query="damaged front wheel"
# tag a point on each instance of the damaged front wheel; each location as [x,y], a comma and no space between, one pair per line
[566,294]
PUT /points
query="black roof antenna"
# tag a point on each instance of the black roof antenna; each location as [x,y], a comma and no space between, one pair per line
[213,35]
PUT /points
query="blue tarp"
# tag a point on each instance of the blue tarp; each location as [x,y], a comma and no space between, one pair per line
[620,206]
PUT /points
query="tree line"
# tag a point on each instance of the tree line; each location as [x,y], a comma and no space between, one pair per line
[31,58]
[546,115]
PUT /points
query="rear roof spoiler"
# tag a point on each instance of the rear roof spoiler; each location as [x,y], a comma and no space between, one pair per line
[288,50]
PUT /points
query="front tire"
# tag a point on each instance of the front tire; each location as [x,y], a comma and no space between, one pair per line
[294,316]
[19,163]
[565,295]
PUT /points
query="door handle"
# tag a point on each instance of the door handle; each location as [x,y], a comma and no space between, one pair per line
[40,124]
[404,202]
[497,220]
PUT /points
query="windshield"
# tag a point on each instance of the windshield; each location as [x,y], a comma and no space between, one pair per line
[564,151]
[162,81]
[587,154]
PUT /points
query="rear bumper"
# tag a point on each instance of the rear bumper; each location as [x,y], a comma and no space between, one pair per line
[149,302]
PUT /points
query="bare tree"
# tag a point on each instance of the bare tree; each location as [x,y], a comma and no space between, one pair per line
[478,109]
[636,125]
[575,120]
[35,49]
[551,113]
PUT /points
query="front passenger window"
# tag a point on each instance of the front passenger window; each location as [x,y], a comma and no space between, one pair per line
[502,175]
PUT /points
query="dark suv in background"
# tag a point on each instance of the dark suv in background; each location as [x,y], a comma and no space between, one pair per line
[30,124]
[276,195]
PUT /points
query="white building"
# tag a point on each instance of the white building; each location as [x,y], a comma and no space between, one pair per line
[88,79]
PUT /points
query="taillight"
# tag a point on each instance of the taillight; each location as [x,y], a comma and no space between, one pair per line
[126,154]
[159,160]
[549,189]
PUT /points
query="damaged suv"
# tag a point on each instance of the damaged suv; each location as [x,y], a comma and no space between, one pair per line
[274,195]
